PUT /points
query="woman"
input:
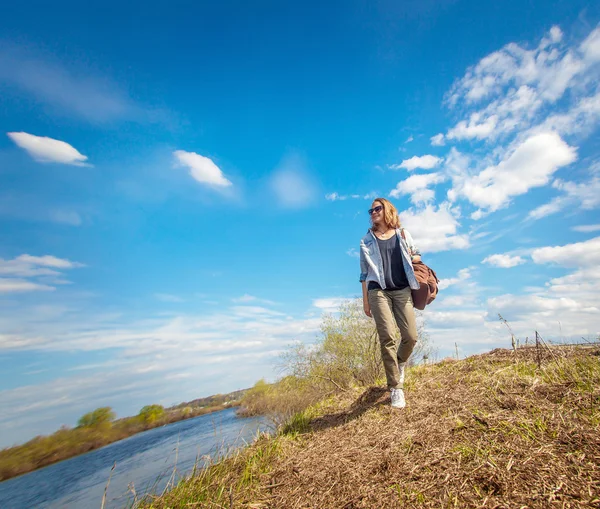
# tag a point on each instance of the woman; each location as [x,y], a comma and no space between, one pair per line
[387,276]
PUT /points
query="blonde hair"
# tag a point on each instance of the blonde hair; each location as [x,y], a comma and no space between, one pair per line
[390,214]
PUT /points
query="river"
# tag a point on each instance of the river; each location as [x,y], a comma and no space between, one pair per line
[145,462]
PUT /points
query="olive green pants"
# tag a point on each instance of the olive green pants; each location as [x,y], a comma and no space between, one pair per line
[392,309]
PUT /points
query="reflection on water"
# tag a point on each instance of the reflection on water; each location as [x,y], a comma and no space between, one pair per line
[143,462]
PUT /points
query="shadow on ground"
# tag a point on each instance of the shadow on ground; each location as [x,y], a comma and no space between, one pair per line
[371,398]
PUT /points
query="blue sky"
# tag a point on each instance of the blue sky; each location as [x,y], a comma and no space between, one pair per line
[183,189]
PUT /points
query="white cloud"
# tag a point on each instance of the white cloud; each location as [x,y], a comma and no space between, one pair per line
[254,327]
[565,309]
[353,252]
[552,207]
[329,304]
[530,165]
[478,214]
[508,90]
[590,47]
[511,98]
[435,229]
[14,285]
[69,217]
[458,316]
[568,303]
[422,196]
[27,266]
[409,139]
[503,261]
[48,261]
[426,162]
[475,128]
[202,169]
[556,35]
[462,275]
[167,297]
[78,91]
[30,206]
[580,254]
[523,305]
[551,68]
[417,187]
[456,165]
[251,298]
[587,228]
[453,301]
[438,140]
[292,185]
[342,197]
[245,298]
[292,189]
[54,280]
[48,150]
[581,118]
[456,319]
[252,312]
[583,195]
[582,285]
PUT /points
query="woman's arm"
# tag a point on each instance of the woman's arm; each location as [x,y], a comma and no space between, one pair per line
[363,277]
[415,253]
[363,280]
[366,306]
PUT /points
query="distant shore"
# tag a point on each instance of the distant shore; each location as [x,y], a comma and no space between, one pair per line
[66,443]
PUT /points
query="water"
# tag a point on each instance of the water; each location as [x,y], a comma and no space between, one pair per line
[147,460]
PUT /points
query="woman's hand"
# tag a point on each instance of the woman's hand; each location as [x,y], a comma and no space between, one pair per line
[365,293]
[416,259]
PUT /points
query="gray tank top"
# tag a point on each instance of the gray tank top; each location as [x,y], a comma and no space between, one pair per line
[393,268]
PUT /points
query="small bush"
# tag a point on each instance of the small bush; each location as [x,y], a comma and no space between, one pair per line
[347,354]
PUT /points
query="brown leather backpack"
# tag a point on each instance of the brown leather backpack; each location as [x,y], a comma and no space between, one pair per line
[428,281]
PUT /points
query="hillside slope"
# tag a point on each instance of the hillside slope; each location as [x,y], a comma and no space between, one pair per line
[503,429]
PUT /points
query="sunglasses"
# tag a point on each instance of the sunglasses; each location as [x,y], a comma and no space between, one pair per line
[379,208]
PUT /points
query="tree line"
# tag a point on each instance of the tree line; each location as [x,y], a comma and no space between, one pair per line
[98,428]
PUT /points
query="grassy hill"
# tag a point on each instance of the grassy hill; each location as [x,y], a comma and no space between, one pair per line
[500,430]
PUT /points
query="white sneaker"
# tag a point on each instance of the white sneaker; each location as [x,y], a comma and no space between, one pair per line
[401,366]
[398,400]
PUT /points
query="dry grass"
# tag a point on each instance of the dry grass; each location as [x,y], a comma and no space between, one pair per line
[491,431]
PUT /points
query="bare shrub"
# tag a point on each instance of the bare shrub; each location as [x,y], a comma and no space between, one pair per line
[281,400]
[348,351]
[346,354]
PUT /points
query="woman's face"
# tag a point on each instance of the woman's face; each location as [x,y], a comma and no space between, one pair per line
[376,212]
